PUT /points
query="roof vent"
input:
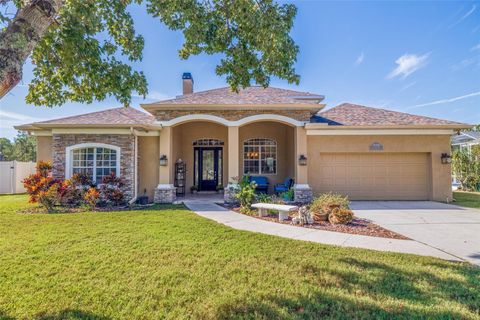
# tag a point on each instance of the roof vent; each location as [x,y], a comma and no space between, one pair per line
[187,83]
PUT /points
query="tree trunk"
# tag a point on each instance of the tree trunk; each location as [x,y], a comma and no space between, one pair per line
[21,36]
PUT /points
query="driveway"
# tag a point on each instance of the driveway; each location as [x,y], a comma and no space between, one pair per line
[452,229]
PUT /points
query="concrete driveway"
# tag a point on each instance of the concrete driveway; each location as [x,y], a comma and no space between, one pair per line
[452,229]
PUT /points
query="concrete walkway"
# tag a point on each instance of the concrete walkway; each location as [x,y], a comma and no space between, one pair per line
[449,228]
[210,210]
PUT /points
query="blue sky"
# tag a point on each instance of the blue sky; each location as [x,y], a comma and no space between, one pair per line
[417,57]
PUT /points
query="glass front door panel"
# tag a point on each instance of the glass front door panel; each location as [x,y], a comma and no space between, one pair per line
[208,167]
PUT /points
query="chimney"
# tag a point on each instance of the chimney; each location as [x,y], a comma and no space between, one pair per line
[187,83]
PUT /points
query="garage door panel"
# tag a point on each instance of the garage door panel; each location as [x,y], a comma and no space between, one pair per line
[366,176]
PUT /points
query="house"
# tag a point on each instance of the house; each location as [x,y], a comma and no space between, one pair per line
[465,140]
[365,153]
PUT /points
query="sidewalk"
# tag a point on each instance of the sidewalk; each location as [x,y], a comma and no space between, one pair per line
[239,221]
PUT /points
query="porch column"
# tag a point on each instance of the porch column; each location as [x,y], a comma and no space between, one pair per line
[303,192]
[233,164]
[165,191]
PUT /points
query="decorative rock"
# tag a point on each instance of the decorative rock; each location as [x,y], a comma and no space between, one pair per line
[304,216]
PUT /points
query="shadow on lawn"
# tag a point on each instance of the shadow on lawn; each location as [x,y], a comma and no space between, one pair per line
[323,306]
[376,281]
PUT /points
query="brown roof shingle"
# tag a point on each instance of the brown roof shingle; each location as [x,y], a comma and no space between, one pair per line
[349,114]
[250,95]
[115,116]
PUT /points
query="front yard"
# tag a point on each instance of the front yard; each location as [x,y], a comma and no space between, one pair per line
[467,199]
[171,263]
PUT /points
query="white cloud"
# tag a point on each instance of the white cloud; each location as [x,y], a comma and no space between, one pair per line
[153,95]
[407,86]
[442,101]
[17,116]
[475,48]
[360,59]
[408,64]
[465,16]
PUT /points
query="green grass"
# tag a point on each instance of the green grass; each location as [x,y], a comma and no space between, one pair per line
[467,199]
[174,264]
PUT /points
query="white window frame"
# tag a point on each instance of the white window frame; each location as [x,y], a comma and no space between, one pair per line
[260,157]
[69,157]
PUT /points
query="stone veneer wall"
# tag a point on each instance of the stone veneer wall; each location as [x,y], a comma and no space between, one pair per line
[126,143]
[234,115]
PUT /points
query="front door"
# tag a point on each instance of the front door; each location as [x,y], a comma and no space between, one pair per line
[208,168]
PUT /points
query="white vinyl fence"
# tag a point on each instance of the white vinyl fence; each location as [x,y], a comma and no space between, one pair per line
[12,173]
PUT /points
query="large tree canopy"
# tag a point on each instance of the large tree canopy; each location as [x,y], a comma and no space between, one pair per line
[83,49]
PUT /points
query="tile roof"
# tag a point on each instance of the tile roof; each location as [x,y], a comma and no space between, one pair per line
[348,114]
[115,116]
[250,95]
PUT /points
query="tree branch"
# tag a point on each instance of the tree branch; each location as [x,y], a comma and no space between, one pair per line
[22,34]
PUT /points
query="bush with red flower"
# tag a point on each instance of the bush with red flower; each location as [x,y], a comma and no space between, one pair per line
[111,190]
[74,192]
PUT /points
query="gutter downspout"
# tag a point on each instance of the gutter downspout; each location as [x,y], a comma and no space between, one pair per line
[135,168]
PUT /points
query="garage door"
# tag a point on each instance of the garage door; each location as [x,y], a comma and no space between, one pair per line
[362,176]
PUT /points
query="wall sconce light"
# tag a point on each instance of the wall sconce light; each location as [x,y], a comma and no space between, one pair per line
[446,158]
[302,160]
[163,160]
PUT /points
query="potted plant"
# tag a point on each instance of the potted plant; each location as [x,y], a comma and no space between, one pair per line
[143,200]
[193,189]
[220,188]
[287,196]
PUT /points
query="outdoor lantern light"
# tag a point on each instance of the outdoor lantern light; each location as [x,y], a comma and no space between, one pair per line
[446,158]
[163,160]
[302,160]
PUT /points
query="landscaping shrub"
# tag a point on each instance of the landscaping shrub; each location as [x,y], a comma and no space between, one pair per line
[49,198]
[263,198]
[340,216]
[91,197]
[73,190]
[111,190]
[246,192]
[41,187]
[323,205]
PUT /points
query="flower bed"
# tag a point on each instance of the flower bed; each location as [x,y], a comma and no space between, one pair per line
[356,226]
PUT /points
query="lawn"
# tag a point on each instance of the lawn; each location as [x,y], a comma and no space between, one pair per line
[170,263]
[467,199]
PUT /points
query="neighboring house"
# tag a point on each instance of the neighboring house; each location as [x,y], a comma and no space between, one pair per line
[465,140]
[365,153]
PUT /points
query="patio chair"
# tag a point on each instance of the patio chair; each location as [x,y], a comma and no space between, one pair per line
[283,187]
[262,183]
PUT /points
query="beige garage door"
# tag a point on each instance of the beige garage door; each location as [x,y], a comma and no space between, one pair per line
[382,176]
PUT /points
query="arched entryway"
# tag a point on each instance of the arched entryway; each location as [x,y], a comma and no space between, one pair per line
[203,147]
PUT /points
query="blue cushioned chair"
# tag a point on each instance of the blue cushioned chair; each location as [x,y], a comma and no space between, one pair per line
[262,183]
[283,187]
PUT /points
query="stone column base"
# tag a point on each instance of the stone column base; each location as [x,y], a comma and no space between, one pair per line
[303,193]
[165,193]
[229,193]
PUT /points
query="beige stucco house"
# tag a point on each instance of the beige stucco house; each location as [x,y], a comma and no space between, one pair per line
[365,153]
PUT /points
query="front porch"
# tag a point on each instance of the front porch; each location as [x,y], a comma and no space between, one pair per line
[216,154]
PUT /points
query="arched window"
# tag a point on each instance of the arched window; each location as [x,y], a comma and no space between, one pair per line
[208,143]
[96,160]
[260,156]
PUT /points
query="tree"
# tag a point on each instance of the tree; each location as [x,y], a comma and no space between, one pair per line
[82,49]
[5,149]
[23,148]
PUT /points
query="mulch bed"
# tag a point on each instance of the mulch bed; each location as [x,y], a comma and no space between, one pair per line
[356,226]
[63,210]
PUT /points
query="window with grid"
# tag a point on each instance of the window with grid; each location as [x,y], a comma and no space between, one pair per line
[260,156]
[96,162]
